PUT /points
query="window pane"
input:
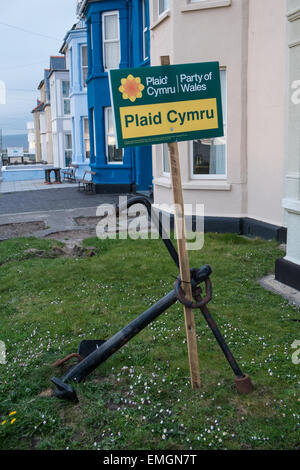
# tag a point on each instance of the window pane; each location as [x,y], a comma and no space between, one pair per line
[86,136]
[111,27]
[223,92]
[65,89]
[146,45]
[84,75]
[86,128]
[163,5]
[110,122]
[87,149]
[209,156]
[112,55]
[68,141]
[67,107]
[144,14]
[84,56]
[114,155]
[68,157]
[94,132]
[166,162]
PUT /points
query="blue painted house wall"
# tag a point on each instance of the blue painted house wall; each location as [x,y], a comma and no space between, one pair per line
[74,40]
[135,173]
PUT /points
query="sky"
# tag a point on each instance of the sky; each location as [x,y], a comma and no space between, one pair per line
[24,55]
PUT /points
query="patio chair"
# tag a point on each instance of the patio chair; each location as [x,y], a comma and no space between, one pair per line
[69,174]
[86,181]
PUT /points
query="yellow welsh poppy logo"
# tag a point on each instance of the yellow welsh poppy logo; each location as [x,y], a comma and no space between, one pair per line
[131,88]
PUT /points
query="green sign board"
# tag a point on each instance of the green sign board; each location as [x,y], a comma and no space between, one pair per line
[169,103]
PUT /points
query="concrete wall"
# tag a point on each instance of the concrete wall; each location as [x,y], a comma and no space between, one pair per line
[266,109]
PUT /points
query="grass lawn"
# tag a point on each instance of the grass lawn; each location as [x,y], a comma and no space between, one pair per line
[141,397]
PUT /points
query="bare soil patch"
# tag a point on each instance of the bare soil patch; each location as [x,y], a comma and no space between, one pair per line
[19,230]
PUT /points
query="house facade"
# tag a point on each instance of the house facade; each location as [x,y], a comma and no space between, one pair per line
[45,120]
[75,50]
[117,37]
[60,112]
[42,122]
[238,177]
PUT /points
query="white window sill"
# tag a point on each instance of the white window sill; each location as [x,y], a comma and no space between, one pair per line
[163,181]
[206,185]
[201,185]
[160,19]
[205,5]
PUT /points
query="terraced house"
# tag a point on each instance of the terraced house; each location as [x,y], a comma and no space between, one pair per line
[118,36]
[239,177]
[75,50]
[60,111]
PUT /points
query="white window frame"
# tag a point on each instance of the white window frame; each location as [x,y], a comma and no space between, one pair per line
[106,110]
[107,41]
[166,6]
[85,118]
[191,149]
[145,29]
[65,98]
[84,67]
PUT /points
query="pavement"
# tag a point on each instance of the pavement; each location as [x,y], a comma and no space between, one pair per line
[289,293]
[52,200]
[36,185]
[65,214]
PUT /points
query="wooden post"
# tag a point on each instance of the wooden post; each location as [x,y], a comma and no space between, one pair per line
[183,256]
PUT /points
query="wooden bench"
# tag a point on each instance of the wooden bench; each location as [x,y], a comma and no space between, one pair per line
[69,174]
[86,181]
